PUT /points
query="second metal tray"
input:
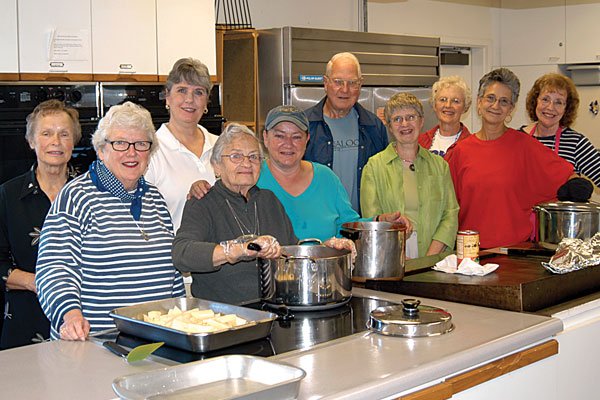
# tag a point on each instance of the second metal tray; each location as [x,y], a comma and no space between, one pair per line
[130,320]
[226,377]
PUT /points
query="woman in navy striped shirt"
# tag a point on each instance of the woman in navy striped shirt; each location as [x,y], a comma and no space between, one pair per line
[106,242]
[552,105]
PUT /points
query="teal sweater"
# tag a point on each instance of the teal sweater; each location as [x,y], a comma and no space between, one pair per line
[320,210]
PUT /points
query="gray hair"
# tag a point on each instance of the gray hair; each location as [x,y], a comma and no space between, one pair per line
[126,116]
[191,71]
[340,56]
[400,101]
[231,132]
[504,76]
[448,82]
[50,107]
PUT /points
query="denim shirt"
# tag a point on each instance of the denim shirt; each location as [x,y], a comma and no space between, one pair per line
[372,137]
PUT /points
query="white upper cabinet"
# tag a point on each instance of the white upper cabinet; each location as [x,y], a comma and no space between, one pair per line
[54,36]
[9,61]
[532,36]
[583,32]
[124,37]
[186,28]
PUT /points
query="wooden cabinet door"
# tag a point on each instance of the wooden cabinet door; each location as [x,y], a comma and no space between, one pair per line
[186,28]
[54,37]
[9,62]
[532,36]
[124,38]
[582,32]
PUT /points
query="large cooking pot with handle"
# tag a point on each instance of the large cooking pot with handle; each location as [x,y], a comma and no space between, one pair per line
[380,248]
[308,277]
[566,219]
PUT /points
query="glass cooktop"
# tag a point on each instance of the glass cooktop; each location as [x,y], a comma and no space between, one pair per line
[290,332]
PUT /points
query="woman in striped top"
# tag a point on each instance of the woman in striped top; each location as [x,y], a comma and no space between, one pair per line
[106,242]
[552,105]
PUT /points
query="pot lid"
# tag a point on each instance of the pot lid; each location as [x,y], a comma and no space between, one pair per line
[410,320]
[569,206]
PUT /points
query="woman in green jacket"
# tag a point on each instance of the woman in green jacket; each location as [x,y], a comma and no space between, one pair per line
[407,178]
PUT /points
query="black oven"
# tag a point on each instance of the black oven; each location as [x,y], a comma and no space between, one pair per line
[17,100]
[152,97]
[92,100]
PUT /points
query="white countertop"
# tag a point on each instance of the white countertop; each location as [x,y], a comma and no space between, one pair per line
[364,365]
[370,365]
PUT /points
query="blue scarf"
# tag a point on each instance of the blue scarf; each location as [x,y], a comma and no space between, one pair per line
[105,181]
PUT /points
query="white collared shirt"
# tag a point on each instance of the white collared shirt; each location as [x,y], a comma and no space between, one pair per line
[173,169]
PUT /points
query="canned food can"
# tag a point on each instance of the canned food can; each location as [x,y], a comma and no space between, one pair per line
[467,245]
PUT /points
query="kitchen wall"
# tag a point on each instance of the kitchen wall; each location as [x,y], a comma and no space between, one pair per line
[414,17]
[493,29]
[324,14]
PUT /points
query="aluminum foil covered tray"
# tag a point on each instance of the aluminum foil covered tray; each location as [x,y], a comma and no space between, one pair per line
[575,254]
[226,377]
[130,320]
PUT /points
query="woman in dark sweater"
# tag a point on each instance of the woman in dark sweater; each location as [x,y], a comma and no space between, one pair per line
[213,241]
[52,132]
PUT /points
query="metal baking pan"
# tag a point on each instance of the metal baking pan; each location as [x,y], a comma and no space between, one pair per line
[226,377]
[130,320]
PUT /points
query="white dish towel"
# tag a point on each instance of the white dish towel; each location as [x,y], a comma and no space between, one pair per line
[466,267]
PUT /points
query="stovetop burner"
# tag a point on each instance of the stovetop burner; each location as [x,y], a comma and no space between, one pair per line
[304,330]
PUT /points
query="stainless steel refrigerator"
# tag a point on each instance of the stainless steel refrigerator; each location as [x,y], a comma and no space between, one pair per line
[292,61]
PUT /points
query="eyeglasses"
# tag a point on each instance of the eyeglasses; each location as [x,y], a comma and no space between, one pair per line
[492,99]
[121,145]
[237,158]
[340,83]
[546,101]
[454,101]
[408,118]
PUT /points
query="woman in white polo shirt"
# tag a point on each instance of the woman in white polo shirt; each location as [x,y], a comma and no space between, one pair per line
[181,165]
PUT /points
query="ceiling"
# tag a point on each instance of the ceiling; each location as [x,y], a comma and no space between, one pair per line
[510,4]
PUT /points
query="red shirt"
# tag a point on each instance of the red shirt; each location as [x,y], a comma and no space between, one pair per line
[497,183]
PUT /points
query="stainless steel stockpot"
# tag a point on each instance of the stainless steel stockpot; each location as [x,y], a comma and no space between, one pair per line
[566,219]
[308,276]
[380,248]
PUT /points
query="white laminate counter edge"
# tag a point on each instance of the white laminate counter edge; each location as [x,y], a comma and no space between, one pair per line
[581,314]
[408,379]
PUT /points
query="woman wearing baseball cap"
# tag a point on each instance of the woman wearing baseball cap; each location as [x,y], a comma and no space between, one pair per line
[312,195]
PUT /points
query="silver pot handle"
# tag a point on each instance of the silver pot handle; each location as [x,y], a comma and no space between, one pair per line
[310,240]
[538,208]
[313,262]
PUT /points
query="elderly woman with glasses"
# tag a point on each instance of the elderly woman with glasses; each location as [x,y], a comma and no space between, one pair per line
[450,99]
[407,178]
[499,173]
[225,234]
[552,105]
[106,242]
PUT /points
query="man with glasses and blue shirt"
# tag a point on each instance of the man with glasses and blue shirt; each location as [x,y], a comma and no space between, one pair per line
[343,134]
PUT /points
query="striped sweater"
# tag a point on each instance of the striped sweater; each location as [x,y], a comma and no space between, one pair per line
[92,255]
[579,151]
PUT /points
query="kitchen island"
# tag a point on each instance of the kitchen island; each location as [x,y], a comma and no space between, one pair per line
[362,366]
